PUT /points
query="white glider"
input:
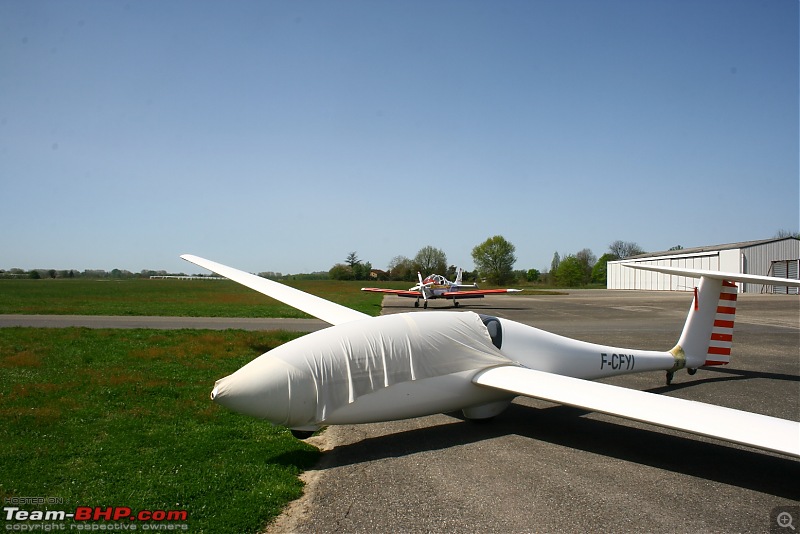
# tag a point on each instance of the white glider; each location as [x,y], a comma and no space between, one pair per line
[369,369]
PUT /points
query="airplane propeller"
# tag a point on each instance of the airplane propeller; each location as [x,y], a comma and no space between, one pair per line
[423,288]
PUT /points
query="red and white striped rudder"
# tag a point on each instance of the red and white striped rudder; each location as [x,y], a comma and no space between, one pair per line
[708,332]
[719,348]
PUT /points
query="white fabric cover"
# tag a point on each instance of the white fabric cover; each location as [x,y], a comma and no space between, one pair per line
[339,364]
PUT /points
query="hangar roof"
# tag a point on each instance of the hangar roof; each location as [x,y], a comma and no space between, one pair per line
[712,248]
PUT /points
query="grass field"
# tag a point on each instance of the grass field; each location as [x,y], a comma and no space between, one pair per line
[122,418]
[181,298]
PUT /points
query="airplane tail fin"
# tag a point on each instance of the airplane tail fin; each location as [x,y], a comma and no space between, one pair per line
[458,276]
[708,332]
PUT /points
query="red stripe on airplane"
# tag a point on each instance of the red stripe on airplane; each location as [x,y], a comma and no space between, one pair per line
[721,337]
[721,351]
[726,310]
[723,324]
[727,296]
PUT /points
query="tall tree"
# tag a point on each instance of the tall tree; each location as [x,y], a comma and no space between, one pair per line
[431,260]
[782,234]
[341,271]
[401,268]
[625,249]
[600,269]
[587,259]
[556,261]
[495,259]
[570,272]
[352,259]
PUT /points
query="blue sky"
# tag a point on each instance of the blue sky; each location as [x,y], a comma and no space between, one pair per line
[282,135]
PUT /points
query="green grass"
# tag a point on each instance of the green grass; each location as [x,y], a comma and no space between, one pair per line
[123,418]
[177,298]
[184,298]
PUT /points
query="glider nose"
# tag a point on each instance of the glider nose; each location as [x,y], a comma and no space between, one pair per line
[263,389]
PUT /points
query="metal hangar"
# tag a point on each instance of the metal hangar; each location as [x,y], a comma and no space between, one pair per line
[778,257]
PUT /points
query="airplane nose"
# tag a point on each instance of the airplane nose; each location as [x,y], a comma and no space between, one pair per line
[263,389]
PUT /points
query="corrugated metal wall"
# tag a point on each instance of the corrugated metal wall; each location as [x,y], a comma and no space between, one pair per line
[758,259]
[753,259]
[621,277]
[786,269]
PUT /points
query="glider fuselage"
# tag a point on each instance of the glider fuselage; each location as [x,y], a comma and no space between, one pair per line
[410,365]
[368,369]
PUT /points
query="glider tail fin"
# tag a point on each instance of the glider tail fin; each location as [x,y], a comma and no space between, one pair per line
[708,333]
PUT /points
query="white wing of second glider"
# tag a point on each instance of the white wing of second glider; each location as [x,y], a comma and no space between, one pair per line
[328,311]
[746,428]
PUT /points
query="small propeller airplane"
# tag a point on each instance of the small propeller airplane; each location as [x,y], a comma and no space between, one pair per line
[436,286]
[367,369]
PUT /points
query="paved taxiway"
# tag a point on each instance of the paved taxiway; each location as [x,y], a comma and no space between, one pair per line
[540,467]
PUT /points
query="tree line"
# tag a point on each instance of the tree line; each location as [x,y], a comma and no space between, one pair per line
[99,274]
[584,268]
[494,260]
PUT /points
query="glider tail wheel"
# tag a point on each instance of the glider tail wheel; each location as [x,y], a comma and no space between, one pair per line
[671,374]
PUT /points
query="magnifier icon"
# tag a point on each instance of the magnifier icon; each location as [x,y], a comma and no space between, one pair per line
[785,520]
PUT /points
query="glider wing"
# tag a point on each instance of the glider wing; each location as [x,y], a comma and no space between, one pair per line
[734,277]
[328,311]
[745,428]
